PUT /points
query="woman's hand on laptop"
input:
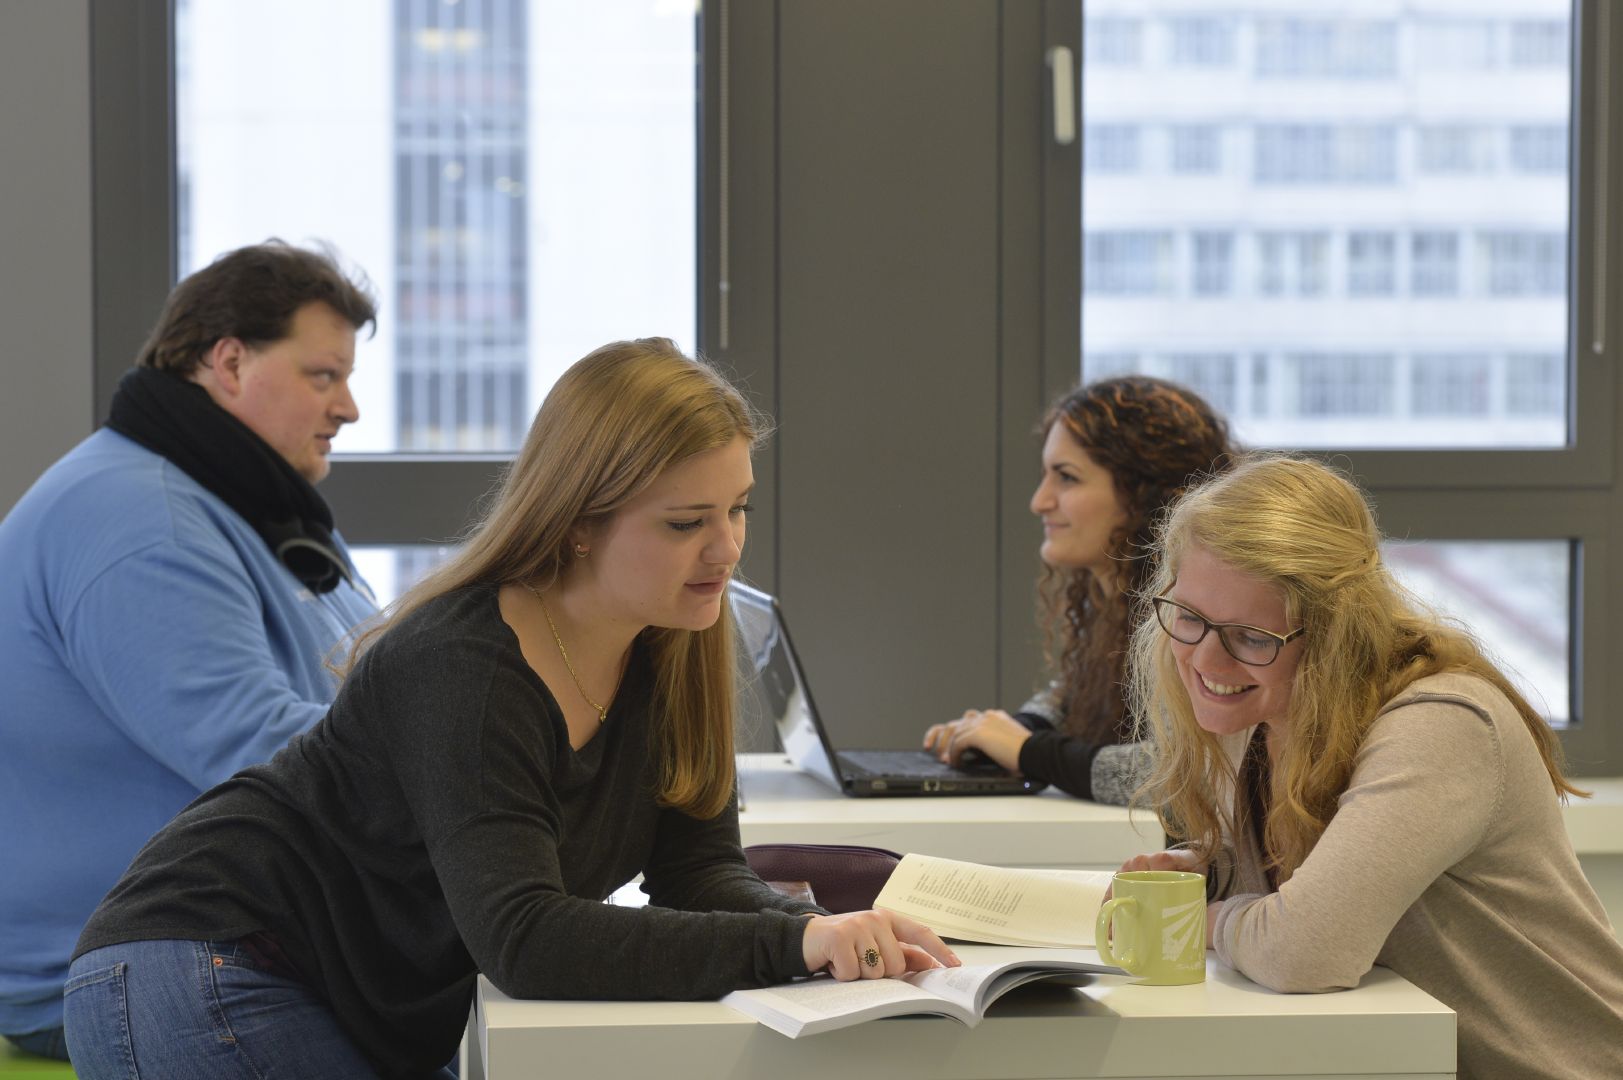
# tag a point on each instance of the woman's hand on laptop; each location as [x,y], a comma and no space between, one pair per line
[872,945]
[993,732]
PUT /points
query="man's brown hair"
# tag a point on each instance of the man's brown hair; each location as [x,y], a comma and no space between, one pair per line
[250,294]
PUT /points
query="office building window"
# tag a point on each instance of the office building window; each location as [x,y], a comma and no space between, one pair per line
[1196,148]
[1293,263]
[1434,264]
[1538,148]
[1214,376]
[1518,263]
[1454,149]
[1540,43]
[391,569]
[1456,44]
[1111,148]
[1104,363]
[1514,595]
[1446,384]
[461,255]
[1535,384]
[1342,384]
[1128,263]
[1392,164]
[1326,48]
[1213,264]
[496,246]
[1325,153]
[1113,41]
[1202,40]
[1372,263]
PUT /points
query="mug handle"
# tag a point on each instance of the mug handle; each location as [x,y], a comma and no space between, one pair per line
[1101,934]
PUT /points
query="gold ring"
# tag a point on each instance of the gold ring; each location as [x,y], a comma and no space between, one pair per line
[871,957]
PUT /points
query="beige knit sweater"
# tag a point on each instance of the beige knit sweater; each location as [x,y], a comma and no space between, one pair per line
[1448,862]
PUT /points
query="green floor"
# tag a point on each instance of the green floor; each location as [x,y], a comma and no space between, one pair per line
[16,1065]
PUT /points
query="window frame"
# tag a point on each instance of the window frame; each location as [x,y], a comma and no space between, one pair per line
[1572,492]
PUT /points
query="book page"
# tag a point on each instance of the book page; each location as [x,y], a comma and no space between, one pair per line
[806,1008]
[996,904]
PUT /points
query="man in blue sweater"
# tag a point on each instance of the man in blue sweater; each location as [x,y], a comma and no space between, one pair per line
[172,588]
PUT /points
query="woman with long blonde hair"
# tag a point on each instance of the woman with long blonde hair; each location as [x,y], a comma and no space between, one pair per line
[1360,783]
[545,717]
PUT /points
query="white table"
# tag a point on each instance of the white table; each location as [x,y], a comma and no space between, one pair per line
[784,805]
[1224,1027]
[1051,829]
[1596,828]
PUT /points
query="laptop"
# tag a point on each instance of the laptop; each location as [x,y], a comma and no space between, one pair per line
[775,687]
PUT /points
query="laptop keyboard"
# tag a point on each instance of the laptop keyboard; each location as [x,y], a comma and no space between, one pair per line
[911,763]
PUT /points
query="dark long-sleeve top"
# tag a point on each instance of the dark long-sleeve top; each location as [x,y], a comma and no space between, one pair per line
[1103,772]
[437,823]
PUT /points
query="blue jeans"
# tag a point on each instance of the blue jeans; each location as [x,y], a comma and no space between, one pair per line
[200,1010]
[50,1043]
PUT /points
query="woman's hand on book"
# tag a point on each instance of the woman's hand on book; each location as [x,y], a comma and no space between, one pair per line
[872,945]
[991,731]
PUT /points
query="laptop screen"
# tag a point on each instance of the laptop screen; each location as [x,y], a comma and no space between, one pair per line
[773,691]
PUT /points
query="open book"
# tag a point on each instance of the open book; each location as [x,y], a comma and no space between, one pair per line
[963,993]
[970,902]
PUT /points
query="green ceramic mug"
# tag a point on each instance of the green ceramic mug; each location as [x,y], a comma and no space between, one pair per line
[1159,919]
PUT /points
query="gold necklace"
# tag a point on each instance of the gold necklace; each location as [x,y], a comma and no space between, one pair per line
[602,713]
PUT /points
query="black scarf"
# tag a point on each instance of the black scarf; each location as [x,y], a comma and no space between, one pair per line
[176,418]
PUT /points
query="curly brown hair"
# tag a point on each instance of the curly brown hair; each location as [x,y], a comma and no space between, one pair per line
[1154,438]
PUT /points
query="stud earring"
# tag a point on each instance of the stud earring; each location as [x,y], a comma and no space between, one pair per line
[580,551]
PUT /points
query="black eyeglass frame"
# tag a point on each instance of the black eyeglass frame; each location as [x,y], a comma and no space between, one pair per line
[1162,603]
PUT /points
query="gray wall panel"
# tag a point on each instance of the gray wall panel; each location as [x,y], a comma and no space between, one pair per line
[887,371]
[45,272]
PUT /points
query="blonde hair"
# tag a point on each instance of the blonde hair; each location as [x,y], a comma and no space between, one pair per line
[615,421]
[1307,529]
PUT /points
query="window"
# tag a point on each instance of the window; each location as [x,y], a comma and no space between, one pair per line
[1342,384]
[1372,261]
[1454,149]
[1111,148]
[1323,48]
[1214,376]
[467,174]
[1538,148]
[1456,44]
[1473,484]
[1196,148]
[1451,384]
[1515,596]
[1438,148]
[1434,261]
[1542,43]
[1202,41]
[1293,263]
[392,569]
[1535,384]
[1325,153]
[1128,263]
[1113,42]
[1524,263]
[1213,264]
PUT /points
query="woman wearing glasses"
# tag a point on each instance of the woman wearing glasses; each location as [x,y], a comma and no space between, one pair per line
[1360,783]
[1115,452]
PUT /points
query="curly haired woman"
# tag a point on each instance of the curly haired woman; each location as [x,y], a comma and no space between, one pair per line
[1115,453]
